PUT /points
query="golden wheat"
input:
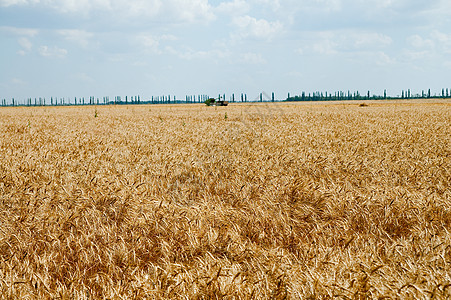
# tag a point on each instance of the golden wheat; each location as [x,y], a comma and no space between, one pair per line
[282,201]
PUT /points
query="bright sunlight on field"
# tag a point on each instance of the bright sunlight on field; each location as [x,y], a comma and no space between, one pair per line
[296,201]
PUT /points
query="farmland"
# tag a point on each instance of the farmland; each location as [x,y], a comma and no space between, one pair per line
[249,201]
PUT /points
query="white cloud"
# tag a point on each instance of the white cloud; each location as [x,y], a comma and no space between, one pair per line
[299,51]
[274,4]
[399,6]
[84,77]
[327,47]
[235,7]
[17,81]
[62,5]
[151,43]
[252,58]
[53,52]
[382,3]
[441,37]
[329,5]
[187,53]
[191,10]
[76,36]
[250,27]
[419,42]
[384,59]
[29,32]
[25,44]
[371,40]
[140,7]
[340,41]
[416,54]
[170,10]
[323,43]
[77,6]
[438,42]
[168,37]
[422,48]
[6,3]
[443,40]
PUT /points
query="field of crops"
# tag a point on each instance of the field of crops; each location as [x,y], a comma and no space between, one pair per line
[256,201]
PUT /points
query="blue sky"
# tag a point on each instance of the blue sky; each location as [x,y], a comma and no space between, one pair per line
[82,48]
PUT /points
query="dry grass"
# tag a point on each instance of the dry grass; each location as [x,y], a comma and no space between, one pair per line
[288,201]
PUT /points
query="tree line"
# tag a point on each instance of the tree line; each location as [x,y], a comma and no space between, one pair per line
[201,98]
[341,95]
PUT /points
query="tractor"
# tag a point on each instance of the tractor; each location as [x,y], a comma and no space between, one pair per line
[216,102]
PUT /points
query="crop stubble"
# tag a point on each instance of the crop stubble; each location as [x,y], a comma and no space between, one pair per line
[309,201]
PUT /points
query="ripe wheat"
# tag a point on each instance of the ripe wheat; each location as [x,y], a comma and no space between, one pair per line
[297,201]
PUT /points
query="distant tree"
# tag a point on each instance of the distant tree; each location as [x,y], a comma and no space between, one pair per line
[429,93]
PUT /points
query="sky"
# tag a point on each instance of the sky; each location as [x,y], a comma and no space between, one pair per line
[82,48]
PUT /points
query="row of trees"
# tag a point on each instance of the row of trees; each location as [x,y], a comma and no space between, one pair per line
[118,100]
[201,98]
[340,95]
[54,101]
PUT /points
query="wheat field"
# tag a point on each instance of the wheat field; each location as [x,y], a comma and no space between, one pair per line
[252,201]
